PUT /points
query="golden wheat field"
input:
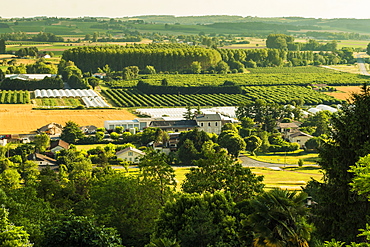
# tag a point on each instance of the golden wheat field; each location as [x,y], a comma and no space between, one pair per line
[345,92]
[22,119]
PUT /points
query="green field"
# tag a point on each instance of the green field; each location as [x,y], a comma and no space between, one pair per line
[353,43]
[289,158]
[58,102]
[285,94]
[289,177]
[272,94]
[14,97]
[292,179]
[258,77]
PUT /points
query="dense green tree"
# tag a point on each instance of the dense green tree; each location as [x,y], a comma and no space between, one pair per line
[278,41]
[199,220]
[71,132]
[164,82]
[11,235]
[2,46]
[42,142]
[338,207]
[163,242]
[230,176]
[29,172]
[314,143]
[266,114]
[160,56]
[127,204]
[149,70]
[253,143]
[320,121]
[93,82]
[79,231]
[2,75]
[368,49]
[10,179]
[155,168]
[222,67]
[28,51]
[196,67]
[130,72]
[198,137]
[28,210]
[40,67]
[232,142]
[187,152]
[279,219]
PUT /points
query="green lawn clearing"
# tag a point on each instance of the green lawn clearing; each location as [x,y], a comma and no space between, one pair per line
[289,158]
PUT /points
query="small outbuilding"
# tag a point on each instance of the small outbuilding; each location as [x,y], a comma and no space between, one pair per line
[58,145]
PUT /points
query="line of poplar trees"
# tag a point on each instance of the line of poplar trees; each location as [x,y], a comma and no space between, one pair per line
[162,57]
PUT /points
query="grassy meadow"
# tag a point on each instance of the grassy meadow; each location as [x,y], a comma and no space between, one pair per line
[289,158]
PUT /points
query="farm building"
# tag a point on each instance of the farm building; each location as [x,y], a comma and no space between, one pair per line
[130,154]
[43,161]
[58,145]
[51,129]
[28,77]
[174,125]
[299,137]
[89,129]
[210,122]
[139,123]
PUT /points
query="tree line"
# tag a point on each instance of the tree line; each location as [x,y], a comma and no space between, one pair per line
[172,58]
[18,84]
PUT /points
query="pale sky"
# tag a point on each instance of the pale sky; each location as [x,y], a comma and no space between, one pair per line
[122,8]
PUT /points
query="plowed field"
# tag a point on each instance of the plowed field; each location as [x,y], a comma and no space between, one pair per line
[21,119]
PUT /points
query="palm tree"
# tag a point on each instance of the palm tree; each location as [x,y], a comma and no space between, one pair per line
[279,219]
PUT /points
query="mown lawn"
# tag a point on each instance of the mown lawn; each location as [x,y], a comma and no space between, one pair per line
[291,178]
[289,158]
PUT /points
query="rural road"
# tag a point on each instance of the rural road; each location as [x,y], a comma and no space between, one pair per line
[246,161]
[361,65]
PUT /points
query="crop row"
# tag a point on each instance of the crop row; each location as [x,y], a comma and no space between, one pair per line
[58,102]
[258,77]
[14,97]
[126,98]
[300,69]
[285,94]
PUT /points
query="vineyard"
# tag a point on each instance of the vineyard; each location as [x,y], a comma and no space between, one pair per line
[273,94]
[285,94]
[300,69]
[258,77]
[14,97]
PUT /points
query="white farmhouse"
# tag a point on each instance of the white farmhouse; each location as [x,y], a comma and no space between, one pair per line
[130,154]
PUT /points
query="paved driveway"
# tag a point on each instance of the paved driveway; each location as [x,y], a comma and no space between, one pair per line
[248,162]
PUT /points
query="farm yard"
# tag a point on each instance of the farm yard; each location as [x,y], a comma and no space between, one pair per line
[22,119]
